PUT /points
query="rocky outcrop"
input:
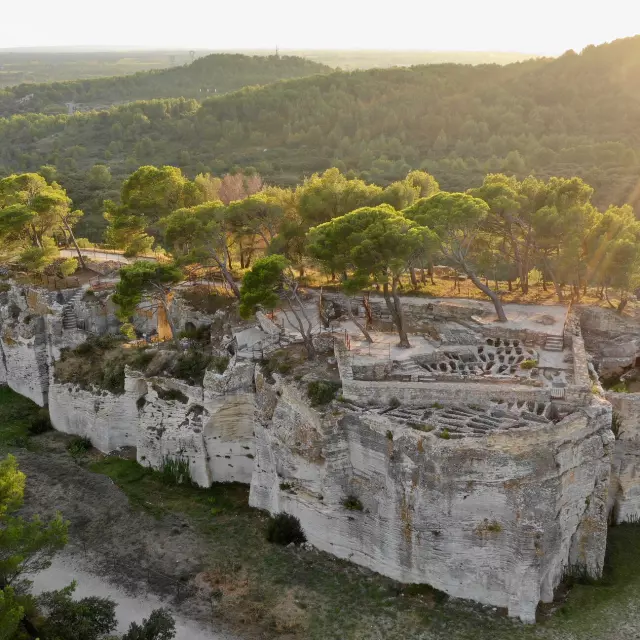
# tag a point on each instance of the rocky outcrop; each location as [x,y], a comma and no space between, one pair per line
[613,340]
[624,494]
[495,519]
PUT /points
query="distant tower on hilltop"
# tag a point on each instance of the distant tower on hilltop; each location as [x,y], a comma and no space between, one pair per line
[193,55]
[71,107]
[277,51]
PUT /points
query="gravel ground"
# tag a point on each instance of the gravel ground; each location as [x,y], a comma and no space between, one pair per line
[107,538]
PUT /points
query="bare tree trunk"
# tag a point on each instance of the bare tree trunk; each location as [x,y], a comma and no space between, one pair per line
[414,280]
[623,303]
[172,326]
[307,334]
[495,298]
[430,272]
[358,324]
[556,285]
[395,309]
[226,274]
[75,244]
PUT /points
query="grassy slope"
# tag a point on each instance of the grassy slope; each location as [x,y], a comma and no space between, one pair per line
[330,599]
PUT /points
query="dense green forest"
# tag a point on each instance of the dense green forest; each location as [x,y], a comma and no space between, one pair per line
[207,76]
[575,115]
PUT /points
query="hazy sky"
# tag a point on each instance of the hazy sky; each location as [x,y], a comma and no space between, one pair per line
[536,26]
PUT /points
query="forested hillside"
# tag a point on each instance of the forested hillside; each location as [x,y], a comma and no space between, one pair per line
[575,115]
[207,76]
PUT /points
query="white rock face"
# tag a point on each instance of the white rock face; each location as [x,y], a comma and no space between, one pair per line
[167,418]
[624,495]
[493,519]
[110,421]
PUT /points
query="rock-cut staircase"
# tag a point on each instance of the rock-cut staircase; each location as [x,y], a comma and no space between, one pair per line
[69,317]
[554,343]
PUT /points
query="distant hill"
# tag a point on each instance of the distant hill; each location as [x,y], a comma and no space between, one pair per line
[574,115]
[207,76]
[60,64]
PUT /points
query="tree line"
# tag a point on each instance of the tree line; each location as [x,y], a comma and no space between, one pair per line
[363,235]
[576,115]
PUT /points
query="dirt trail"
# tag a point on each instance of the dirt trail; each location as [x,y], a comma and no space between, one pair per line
[107,538]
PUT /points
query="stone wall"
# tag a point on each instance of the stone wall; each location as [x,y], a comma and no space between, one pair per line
[495,519]
[624,496]
[417,394]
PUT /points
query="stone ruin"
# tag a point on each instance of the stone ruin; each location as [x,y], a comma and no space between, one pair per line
[480,462]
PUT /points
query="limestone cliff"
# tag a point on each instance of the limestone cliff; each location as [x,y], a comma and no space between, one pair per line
[495,519]
[624,499]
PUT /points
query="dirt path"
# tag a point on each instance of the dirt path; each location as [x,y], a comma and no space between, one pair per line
[108,539]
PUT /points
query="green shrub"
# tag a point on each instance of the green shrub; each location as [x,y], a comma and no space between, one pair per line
[191,366]
[352,503]
[322,392]
[4,287]
[278,362]
[175,471]
[78,446]
[199,334]
[84,243]
[40,423]
[140,358]
[285,529]
[220,363]
[620,387]
[444,434]
[68,267]
[394,403]
[389,435]
[128,331]
[528,364]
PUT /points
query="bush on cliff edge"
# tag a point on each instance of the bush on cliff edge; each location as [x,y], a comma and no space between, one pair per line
[284,529]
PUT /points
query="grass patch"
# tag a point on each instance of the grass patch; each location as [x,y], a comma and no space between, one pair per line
[421,426]
[17,415]
[528,364]
[175,471]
